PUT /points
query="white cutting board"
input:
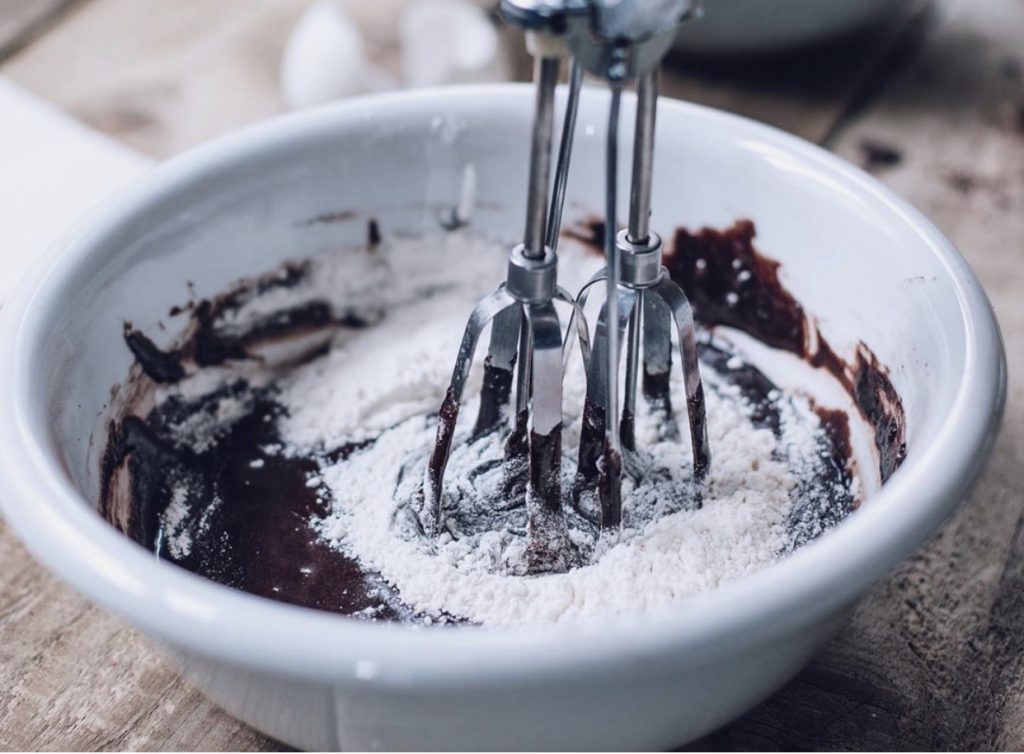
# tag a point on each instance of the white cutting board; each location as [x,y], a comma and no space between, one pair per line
[53,169]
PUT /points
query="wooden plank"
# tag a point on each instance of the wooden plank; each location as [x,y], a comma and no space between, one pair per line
[76,678]
[21,21]
[933,657]
[204,68]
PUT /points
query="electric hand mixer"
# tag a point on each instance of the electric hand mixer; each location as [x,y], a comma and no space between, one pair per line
[617,41]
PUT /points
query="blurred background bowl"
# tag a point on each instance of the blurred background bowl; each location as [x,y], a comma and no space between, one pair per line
[754,27]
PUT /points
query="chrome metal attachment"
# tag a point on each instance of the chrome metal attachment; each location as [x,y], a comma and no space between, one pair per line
[618,41]
[526,344]
[643,305]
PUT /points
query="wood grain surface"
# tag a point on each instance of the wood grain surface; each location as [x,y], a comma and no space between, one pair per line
[22,21]
[932,658]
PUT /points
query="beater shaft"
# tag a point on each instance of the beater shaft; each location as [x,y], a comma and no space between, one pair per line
[546,75]
[611,503]
[525,341]
[643,158]
[564,154]
[645,303]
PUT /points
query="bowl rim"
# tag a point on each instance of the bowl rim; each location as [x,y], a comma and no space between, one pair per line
[64,532]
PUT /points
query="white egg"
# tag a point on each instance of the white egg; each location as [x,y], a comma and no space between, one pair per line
[448,41]
[324,58]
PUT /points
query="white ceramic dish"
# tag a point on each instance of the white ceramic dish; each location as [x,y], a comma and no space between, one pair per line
[864,262]
[752,27]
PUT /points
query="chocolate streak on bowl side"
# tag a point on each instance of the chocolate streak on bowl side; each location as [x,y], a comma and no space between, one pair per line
[213,343]
[708,265]
[249,511]
[159,365]
[729,282]
[257,535]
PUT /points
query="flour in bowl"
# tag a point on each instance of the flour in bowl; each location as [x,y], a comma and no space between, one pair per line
[297,477]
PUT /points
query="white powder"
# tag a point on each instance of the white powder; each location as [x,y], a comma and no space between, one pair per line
[739,529]
[178,526]
[394,374]
[385,381]
[173,524]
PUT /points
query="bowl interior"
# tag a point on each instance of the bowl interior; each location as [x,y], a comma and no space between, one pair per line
[865,265]
[861,271]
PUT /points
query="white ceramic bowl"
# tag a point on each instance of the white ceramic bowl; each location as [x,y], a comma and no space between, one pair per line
[864,262]
[752,27]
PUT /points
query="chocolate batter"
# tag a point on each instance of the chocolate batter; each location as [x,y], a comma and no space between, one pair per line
[257,537]
[729,282]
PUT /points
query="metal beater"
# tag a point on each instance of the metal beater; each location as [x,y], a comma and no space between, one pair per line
[525,331]
[616,41]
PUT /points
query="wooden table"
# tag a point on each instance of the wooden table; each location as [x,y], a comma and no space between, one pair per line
[932,658]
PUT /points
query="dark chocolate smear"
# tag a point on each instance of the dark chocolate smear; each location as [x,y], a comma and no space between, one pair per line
[495,392]
[729,282]
[325,218]
[373,237]
[709,266]
[161,366]
[249,510]
[215,344]
[877,155]
[446,419]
